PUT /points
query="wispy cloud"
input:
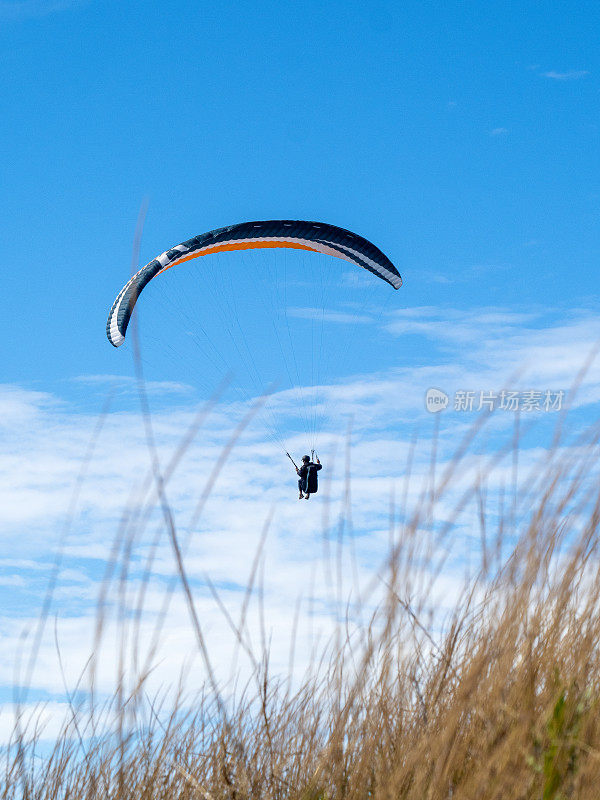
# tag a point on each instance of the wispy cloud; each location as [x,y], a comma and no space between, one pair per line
[494,343]
[570,75]
[12,580]
[498,131]
[452,327]
[438,277]
[323,315]
[126,383]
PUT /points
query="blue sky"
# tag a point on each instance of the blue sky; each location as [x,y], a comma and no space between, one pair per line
[462,138]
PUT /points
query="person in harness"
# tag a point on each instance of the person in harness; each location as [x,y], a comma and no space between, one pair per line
[308,482]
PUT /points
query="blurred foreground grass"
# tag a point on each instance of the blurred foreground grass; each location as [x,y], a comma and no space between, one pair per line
[500,702]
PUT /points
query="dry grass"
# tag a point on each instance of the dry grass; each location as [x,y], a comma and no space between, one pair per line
[501,701]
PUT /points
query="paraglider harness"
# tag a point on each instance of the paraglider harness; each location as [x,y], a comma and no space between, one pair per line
[307,483]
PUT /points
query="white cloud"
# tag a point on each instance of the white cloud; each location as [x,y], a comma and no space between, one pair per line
[547,344]
[12,580]
[437,277]
[46,720]
[451,327]
[127,384]
[42,458]
[323,315]
[570,75]
[499,132]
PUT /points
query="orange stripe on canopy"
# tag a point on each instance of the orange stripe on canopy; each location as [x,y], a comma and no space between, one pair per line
[220,248]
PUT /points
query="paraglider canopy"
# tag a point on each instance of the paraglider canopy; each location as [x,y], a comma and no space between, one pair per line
[213,309]
[318,237]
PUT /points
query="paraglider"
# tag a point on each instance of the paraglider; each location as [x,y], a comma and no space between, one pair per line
[304,351]
[308,482]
